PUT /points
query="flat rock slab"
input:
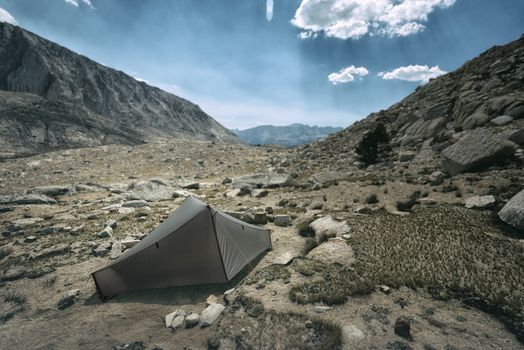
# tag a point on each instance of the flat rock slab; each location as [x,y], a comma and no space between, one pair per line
[285,258]
[263,180]
[513,212]
[477,149]
[335,250]
[480,202]
[27,199]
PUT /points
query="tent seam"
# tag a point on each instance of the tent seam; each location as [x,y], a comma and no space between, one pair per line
[218,244]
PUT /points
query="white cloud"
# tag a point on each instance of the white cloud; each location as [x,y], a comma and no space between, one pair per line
[76,3]
[6,17]
[347,75]
[307,35]
[413,73]
[352,19]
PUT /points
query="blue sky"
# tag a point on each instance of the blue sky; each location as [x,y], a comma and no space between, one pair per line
[318,62]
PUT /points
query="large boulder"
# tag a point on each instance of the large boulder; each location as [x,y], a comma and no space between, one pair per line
[513,212]
[335,250]
[263,180]
[152,190]
[329,228]
[478,148]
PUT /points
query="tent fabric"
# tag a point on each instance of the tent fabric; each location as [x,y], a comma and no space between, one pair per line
[195,245]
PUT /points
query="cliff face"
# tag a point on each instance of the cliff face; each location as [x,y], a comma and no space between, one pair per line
[31,64]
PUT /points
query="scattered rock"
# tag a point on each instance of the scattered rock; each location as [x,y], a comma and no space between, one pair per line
[227,180]
[106,232]
[192,320]
[501,120]
[211,300]
[480,202]
[260,218]
[384,289]
[175,319]
[110,223]
[477,149]
[137,345]
[259,193]
[151,191]
[116,250]
[69,299]
[211,314]
[233,193]
[282,220]
[403,327]
[190,185]
[140,203]
[22,223]
[406,156]
[30,239]
[102,249]
[437,177]
[75,231]
[129,242]
[51,191]
[513,212]
[27,199]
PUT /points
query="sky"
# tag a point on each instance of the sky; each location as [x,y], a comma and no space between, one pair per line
[257,62]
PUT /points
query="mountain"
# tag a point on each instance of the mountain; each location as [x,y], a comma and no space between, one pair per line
[486,93]
[95,104]
[290,135]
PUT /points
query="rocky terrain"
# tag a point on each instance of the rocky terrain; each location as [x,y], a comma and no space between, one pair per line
[395,233]
[80,103]
[288,136]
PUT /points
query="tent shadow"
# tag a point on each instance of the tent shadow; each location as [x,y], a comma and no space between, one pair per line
[193,294]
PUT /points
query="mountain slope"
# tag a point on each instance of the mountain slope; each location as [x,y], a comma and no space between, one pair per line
[31,64]
[289,135]
[439,113]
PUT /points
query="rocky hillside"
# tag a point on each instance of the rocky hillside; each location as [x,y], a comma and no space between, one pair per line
[487,92]
[289,135]
[121,104]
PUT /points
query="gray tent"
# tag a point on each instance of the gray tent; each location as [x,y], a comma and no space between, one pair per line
[197,244]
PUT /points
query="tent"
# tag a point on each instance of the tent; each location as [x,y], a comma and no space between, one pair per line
[197,244]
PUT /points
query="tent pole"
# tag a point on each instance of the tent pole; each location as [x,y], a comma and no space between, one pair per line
[218,245]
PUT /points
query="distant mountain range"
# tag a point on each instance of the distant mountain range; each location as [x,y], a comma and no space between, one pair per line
[53,98]
[289,135]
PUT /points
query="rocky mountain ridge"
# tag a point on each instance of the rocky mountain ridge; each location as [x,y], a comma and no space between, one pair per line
[486,92]
[288,135]
[33,65]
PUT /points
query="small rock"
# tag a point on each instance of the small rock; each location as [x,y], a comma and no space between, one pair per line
[129,242]
[501,120]
[328,227]
[233,193]
[211,314]
[227,180]
[384,289]
[259,193]
[139,203]
[75,231]
[116,250]
[102,249]
[192,320]
[190,185]
[285,258]
[126,211]
[406,156]
[321,309]
[170,318]
[51,191]
[437,177]
[403,327]
[211,300]
[260,218]
[308,324]
[67,301]
[106,232]
[30,239]
[282,220]
[110,223]
[269,210]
